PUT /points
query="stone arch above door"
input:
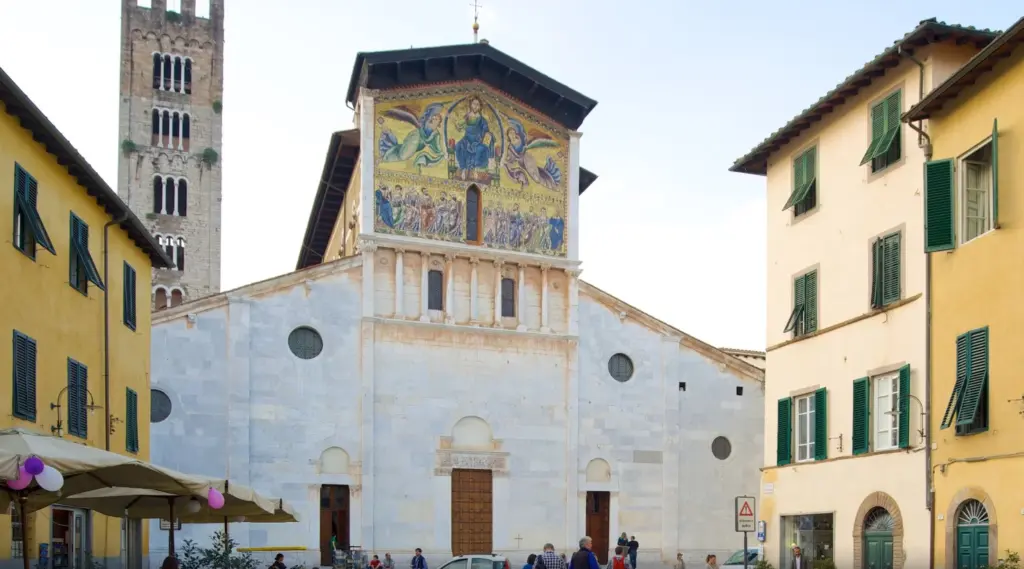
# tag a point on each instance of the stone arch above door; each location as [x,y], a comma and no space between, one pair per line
[952,515]
[886,502]
[470,445]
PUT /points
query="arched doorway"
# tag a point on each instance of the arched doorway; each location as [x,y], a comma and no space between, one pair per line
[878,528]
[972,535]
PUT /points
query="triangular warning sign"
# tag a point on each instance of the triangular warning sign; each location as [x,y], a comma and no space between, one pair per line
[745,510]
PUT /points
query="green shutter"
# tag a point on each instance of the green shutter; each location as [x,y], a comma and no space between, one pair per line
[876,274]
[810,302]
[128,302]
[891,269]
[77,398]
[962,343]
[861,416]
[820,424]
[885,127]
[803,177]
[939,233]
[877,131]
[977,374]
[784,434]
[904,407]
[795,317]
[995,173]
[132,420]
[26,197]
[24,377]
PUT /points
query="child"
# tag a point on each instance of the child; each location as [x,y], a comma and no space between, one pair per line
[375,562]
[620,561]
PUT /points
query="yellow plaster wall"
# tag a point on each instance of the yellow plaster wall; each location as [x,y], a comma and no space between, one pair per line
[978,284]
[38,301]
[430,148]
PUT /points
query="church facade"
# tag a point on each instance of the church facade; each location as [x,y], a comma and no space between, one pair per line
[435,374]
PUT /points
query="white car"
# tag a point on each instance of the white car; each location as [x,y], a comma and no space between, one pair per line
[478,561]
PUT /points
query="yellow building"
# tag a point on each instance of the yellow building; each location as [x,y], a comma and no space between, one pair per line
[974,235]
[76,268]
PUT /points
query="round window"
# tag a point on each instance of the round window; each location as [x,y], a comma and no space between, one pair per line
[721,448]
[621,367]
[305,342]
[159,406]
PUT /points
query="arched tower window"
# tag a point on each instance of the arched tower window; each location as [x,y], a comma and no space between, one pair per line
[169,195]
[179,72]
[156,128]
[186,124]
[158,195]
[188,76]
[473,214]
[182,196]
[157,69]
[179,253]
[160,298]
[176,298]
[165,129]
[176,131]
[168,69]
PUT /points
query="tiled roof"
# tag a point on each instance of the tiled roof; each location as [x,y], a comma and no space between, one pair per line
[927,32]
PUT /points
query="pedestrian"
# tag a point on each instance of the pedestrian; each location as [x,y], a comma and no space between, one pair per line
[712,561]
[623,541]
[633,548]
[279,562]
[388,562]
[584,558]
[418,561]
[798,560]
[530,561]
[548,559]
[680,564]
[619,561]
[375,562]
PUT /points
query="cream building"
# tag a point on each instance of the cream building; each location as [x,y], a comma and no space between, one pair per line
[845,440]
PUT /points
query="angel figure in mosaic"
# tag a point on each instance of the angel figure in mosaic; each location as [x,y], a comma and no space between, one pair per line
[521,166]
[424,145]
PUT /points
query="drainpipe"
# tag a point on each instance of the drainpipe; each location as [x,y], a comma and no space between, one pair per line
[106,322]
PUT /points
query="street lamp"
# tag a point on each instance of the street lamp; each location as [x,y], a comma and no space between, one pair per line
[58,429]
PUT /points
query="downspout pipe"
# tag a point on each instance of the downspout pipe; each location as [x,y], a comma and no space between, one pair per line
[106,322]
[925,143]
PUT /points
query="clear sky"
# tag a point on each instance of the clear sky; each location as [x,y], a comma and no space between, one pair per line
[684,88]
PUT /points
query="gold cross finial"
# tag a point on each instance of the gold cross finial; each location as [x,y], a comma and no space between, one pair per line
[476,15]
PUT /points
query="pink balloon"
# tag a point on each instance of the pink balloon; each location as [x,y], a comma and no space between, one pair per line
[24,479]
[215,499]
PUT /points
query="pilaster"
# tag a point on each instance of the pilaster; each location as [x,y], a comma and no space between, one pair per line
[367,140]
[573,511]
[497,292]
[521,298]
[399,283]
[574,196]
[449,289]
[473,290]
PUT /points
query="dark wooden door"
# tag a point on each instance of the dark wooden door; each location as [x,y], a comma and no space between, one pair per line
[334,521]
[598,527]
[472,512]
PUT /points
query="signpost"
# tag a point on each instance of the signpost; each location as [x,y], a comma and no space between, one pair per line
[745,522]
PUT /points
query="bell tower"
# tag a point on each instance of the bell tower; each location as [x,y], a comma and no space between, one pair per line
[169,171]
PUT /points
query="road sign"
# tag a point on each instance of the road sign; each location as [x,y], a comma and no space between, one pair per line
[745,521]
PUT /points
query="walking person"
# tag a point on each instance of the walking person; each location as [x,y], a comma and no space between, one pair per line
[619,560]
[530,561]
[584,558]
[711,561]
[548,559]
[278,562]
[418,561]
[634,546]
[623,541]
[798,560]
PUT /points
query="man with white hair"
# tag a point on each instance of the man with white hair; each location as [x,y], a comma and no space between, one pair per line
[584,558]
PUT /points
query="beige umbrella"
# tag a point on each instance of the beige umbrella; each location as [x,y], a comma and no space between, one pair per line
[283,513]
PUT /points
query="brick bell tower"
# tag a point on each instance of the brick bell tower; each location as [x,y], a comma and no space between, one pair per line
[169,172]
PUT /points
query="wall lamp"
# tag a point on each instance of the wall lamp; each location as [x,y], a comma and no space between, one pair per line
[58,429]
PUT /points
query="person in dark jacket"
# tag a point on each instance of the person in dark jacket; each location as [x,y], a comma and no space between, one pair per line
[634,546]
[584,558]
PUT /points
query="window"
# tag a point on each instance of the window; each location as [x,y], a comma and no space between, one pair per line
[885,270]
[721,448]
[620,367]
[128,305]
[508,297]
[159,298]
[172,73]
[435,290]
[177,297]
[17,534]
[802,421]
[804,428]
[131,432]
[887,394]
[159,406]
[24,377]
[77,394]
[171,129]
[804,318]
[978,196]
[885,149]
[968,403]
[305,343]
[813,534]
[81,268]
[28,226]
[805,192]
[473,214]
[170,195]
[174,247]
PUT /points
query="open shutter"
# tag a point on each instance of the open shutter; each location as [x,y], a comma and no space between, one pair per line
[861,416]
[821,424]
[961,379]
[876,274]
[977,374]
[939,224]
[891,269]
[877,132]
[784,434]
[132,430]
[995,173]
[904,407]
[810,302]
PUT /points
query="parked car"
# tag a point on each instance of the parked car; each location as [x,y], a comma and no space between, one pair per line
[478,561]
[737,558]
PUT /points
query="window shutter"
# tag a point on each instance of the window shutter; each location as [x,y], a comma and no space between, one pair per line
[821,424]
[876,274]
[891,269]
[132,420]
[83,416]
[129,293]
[995,173]
[877,131]
[938,206]
[904,407]
[784,443]
[977,374]
[961,380]
[861,416]
[24,377]
[810,302]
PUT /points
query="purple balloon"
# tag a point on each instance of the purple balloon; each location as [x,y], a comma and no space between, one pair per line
[24,479]
[34,465]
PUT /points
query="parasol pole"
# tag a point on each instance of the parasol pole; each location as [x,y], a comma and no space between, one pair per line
[26,551]
[170,534]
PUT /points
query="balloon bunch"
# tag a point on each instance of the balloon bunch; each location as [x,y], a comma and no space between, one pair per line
[47,477]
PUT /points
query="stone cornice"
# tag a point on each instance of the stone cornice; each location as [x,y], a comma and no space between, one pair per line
[460,250]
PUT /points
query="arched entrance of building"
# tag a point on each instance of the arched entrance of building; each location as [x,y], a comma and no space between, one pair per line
[878,529]
[972,535]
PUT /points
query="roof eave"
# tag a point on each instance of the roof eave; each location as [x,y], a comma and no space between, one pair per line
[338,140]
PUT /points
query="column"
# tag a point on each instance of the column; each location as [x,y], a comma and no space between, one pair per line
[521,299]
[424,286]
[368,140]
[473,262]
[497,293]
[163,62]
[160,121]
[449,288]
[399,283]
[544,326]
[368,249]
[181,131]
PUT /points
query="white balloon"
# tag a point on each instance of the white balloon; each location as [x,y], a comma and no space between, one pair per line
[50,479]
[193,506]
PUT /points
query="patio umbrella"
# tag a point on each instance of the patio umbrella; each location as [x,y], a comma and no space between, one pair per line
[283,513]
